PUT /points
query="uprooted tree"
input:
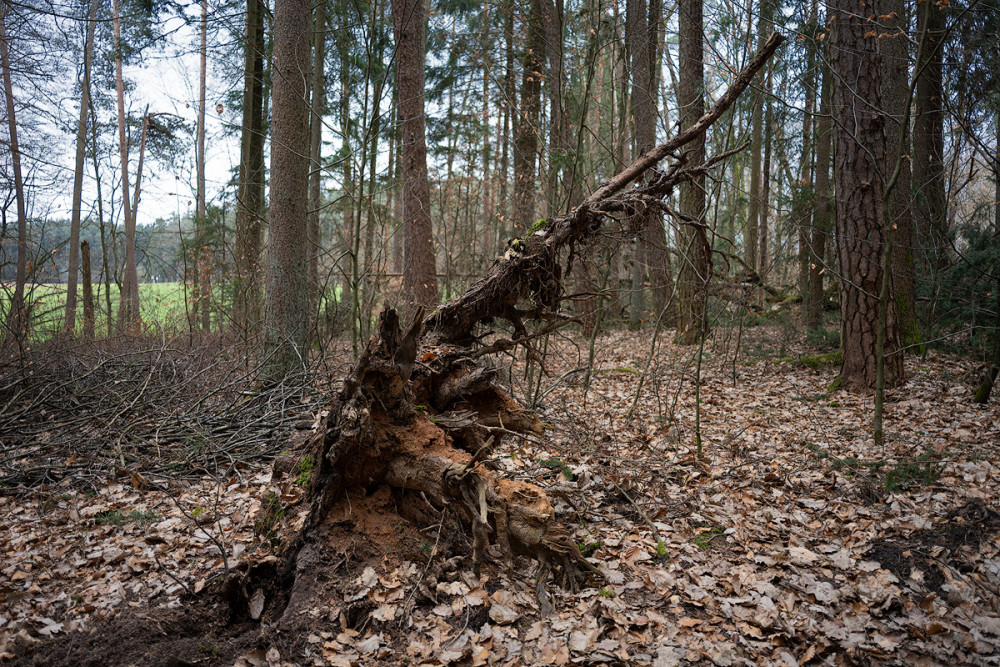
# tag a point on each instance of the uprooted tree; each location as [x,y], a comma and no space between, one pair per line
[375,434]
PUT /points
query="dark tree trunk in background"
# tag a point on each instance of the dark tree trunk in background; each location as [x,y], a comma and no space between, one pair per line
[696,253]
[16,325]
[527,129]
[286,299]
[318,108]
[81,145]
[895,99]
[860,157]
[419,273]
[801,211]
[250,207]
[930,207]
[128,306]
[204,257]
[822,226]
[641,32]
[88,291]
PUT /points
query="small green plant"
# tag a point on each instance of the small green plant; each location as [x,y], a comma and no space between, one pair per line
[77,598]
[426,548]
[923,471]
[197,511]
[661,550]
[606,593]
[306,466]
[560,465]
[119,518]
[587,549]
[704,540]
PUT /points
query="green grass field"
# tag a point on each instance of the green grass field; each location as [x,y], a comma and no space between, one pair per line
[160,304]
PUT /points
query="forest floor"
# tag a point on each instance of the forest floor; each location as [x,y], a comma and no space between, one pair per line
[791,540]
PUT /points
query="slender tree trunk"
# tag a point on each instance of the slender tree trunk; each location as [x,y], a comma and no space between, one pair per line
[81,146]
[758,202]
[801,213]
[489,222]
[286,299]
[930,209]
[988,380]
[16,324]
[250,205]
[128,305]
[509,92]
[527,131]
[203,261]
[88,291]
[896,99]
[641,21]
[317,110]
[823,206]
[695,249]
[859,160]
[765,176]
[419,274]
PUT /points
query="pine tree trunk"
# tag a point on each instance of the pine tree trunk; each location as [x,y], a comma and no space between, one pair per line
[930,208]
[896,99]
[17,324]
[695,250]
[859,159]
[419,273]
[528,125]
[286,299]
[204,258]
[318,107]
[250,208]
[823,207]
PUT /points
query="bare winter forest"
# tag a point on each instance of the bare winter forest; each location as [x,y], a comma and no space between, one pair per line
[514,332]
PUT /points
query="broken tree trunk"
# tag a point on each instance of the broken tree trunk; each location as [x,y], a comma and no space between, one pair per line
[420,411]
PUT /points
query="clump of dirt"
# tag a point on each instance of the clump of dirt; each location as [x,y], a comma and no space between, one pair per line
[929,551]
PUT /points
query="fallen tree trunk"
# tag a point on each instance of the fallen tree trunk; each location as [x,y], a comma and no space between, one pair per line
[420,412]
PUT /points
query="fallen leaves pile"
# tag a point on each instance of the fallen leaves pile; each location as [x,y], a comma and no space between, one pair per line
[790,540]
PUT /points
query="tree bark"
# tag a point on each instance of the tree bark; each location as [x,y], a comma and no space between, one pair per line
[641,33]
[860,157]
[318,108]
[250,190]
[527,130]
[695,249]
[419,273]
[823,205]
[128,305]
[930,208]
[81,146]
[88,291]
[286,297]
[801,211]
[204,260]
[16,325]
[896,98]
